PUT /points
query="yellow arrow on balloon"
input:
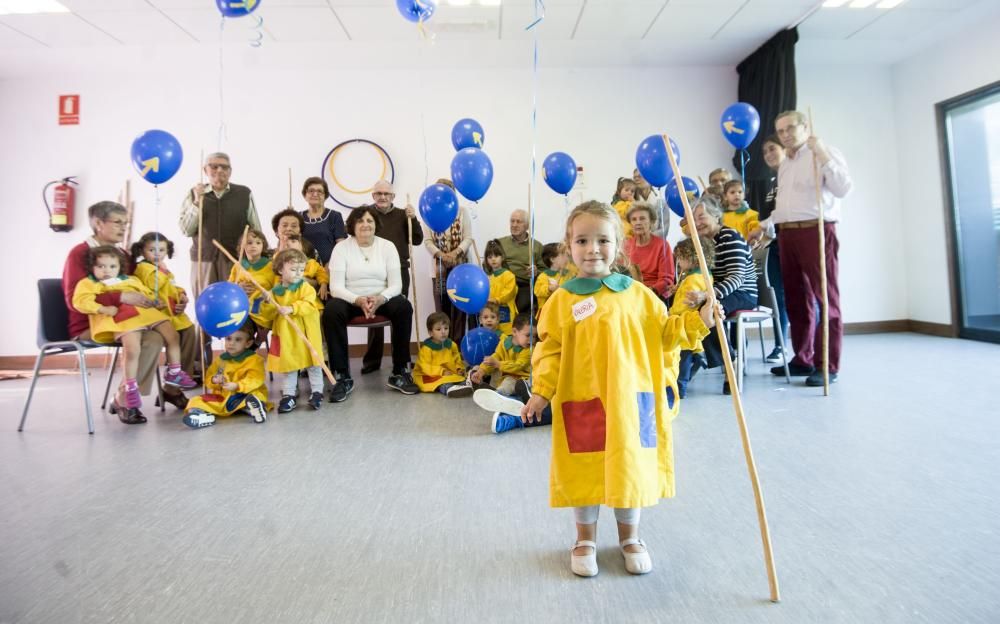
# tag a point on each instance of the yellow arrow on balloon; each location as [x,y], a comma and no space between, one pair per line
[454,297]
[153,163]
[234,319]
[730,127]
[477,138]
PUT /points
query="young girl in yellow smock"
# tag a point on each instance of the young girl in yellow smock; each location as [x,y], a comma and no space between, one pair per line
[316,274]
[624,196]
[125,323]
[690,284]
[737,214]
[294,303]
[606,360]
[235,380]
[556,258]
[255,262]
[439,366]
[503,284]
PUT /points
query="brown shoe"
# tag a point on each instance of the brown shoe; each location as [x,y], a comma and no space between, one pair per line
[128,415]
[177,399]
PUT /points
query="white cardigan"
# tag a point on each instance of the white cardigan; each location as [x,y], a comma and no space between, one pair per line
[355,273]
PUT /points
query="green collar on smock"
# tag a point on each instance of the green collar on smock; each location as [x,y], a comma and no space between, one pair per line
[589,285]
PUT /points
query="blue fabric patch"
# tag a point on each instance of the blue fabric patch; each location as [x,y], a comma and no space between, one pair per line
[234,401]
[670,397]
[255,308]
[647,419]
[504,314]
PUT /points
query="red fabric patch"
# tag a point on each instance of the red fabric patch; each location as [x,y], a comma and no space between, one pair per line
[275,348]
[125,312]
[213,398]
[431,378]
[585,425]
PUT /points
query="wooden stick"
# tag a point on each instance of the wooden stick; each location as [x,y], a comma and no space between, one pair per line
[703,185]
[413,278]
[199,284]
[290,187]
[243,242]
[822,268]
[130,208]
[765,534]
[475,250]
[270,298]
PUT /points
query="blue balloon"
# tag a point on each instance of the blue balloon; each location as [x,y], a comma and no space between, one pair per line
[559,172]
[467,133]
[674,197]
[472,173]
[468,288]
[222,308]
[740,124]
[438,207]
[237,8]
[652,161]
[156,155]
[416,10]
[477,344]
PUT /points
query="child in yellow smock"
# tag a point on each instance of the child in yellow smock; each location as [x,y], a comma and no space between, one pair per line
[691,284]
[556,258]
[503,284]
[149,255]
[439,366]
[316,274]
[294,302]
[737,213]
[606,362]
[125,323]
[512,358]
[489,318]
[236,382]
[256,263]
[624,197]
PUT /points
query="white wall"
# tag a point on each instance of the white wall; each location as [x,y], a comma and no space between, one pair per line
[279,115]
[852,109]
[959,65]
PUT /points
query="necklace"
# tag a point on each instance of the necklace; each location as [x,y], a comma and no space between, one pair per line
[321,218]
[366,256]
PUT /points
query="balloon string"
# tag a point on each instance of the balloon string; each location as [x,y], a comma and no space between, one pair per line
[259,28]
[156,239]
[531,198]
[744,159]
[539,15]
[222,105]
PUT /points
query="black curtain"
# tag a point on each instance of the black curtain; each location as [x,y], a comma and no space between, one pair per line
[767,81]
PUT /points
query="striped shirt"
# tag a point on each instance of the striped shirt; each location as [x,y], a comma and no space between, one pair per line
[734,269]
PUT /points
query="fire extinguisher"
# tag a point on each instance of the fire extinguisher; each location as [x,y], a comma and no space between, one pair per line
[63,203]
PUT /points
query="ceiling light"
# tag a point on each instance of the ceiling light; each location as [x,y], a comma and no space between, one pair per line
[490,2]
[26,7]
[833,4]
[459,2]
[861,4]
[888,4]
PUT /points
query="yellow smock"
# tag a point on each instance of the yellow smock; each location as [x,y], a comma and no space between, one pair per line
[245,369]
[438,363]
[104,328]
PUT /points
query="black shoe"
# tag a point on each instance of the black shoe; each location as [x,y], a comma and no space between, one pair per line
[286,404]
[795,370]
[816,379]
[370,367]
[128,415]
[522,391]
[403,382]
[176,399]
[340,390]
[256,408]
[315,400]
[725,388]
[776,355]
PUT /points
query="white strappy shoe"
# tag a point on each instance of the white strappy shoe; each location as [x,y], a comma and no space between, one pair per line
[636,562]
[584,565]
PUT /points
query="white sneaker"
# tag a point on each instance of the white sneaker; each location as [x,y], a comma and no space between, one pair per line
[458,391]
[638,562]
[493,401]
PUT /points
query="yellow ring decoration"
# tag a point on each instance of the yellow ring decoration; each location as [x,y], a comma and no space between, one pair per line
[336,181]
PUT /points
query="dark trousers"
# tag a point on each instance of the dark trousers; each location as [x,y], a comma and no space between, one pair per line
[800,273]
[376,337]
[338,312]
[774,278]
[525,293]
[739,300]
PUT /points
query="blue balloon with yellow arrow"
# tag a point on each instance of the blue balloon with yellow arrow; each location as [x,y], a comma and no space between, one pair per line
[416,11]
[468,288]
[157,155]
[740,124]
[467,133]
[237,8]
[222,308]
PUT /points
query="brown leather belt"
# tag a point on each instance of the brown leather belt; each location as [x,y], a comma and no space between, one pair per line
[799,225]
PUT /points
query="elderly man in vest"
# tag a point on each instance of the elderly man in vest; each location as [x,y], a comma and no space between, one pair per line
[226,209]
[522,252]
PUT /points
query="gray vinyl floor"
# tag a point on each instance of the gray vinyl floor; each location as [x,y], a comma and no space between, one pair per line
[883,501]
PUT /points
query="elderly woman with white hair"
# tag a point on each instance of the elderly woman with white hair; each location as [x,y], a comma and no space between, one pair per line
[650,253]
[734,275]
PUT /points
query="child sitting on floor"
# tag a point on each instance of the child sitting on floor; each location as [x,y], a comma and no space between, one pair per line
[236,383]
[439,366]
[125,323]
[512,358]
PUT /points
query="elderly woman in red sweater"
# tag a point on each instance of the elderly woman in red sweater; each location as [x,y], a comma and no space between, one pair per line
[650,254]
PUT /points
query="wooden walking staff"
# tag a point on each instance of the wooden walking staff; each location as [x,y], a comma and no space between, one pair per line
[200,275]
[413,278]
[243,243]
[267,294]
[765,534]
[290,187]
[822,267]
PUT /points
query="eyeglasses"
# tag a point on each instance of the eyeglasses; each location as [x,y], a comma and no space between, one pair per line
[314,191]
[118,222]
[788,129]
[381,194]
[214,166]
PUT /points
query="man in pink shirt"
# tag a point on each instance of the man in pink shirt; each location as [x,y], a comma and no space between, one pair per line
[796,215]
